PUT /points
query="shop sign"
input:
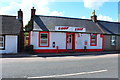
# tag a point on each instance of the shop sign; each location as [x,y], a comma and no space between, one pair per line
[67,28]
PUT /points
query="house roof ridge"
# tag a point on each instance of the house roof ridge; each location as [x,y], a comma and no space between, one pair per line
[8,15]
[74,18]
[63,17]
[108,21]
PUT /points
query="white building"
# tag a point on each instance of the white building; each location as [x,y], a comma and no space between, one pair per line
[9,30]
[63,34]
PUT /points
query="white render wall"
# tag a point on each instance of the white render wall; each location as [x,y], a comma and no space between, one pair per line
[11,42]
[34,39]
[60,40]
[86,37]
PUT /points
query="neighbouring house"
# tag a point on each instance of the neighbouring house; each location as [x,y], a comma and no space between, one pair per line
[50,34]
[11,33]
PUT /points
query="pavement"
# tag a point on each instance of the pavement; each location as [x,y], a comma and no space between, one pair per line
[23,54]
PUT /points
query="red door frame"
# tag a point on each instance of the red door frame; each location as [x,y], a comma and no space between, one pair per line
[73,40]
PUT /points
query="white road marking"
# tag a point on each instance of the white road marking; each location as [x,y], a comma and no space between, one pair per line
[62,75]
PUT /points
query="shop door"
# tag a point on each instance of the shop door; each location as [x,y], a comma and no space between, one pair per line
[70,41]
[69,44]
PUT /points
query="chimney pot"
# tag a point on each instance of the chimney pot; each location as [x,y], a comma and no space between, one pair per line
[20,15]
[33,10]
[94,17]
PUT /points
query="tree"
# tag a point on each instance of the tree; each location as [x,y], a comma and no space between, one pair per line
[28,27]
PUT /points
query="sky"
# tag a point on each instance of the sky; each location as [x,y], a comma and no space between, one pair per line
[119,11]
[106,10]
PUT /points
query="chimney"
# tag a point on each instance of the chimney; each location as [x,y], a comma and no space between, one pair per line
[20,15]
[94,17]
[21,34]
[33,12]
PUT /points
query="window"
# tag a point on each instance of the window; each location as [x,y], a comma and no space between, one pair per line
[113,40]
[43,39]
[26,40]
[26,37]
[93,40]
[69,38]
[1,42]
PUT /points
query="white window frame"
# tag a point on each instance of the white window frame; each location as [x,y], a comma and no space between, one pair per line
[113,40]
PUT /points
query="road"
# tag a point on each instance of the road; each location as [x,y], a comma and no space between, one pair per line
[99,66]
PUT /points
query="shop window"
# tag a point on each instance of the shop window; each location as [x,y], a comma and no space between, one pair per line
[93,40]
[113,40]
[2,42]
[43,39]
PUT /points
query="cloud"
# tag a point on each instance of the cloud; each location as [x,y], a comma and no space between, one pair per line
[84,17]
[40,5]
[119,17]
[105,18]
[94,4]
[9,9]
[102,17]
[56,13]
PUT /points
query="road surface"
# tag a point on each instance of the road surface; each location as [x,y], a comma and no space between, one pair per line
[99,66]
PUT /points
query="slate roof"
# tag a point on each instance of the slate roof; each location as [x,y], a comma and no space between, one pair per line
[9,25]
[110,27]
[48,23]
